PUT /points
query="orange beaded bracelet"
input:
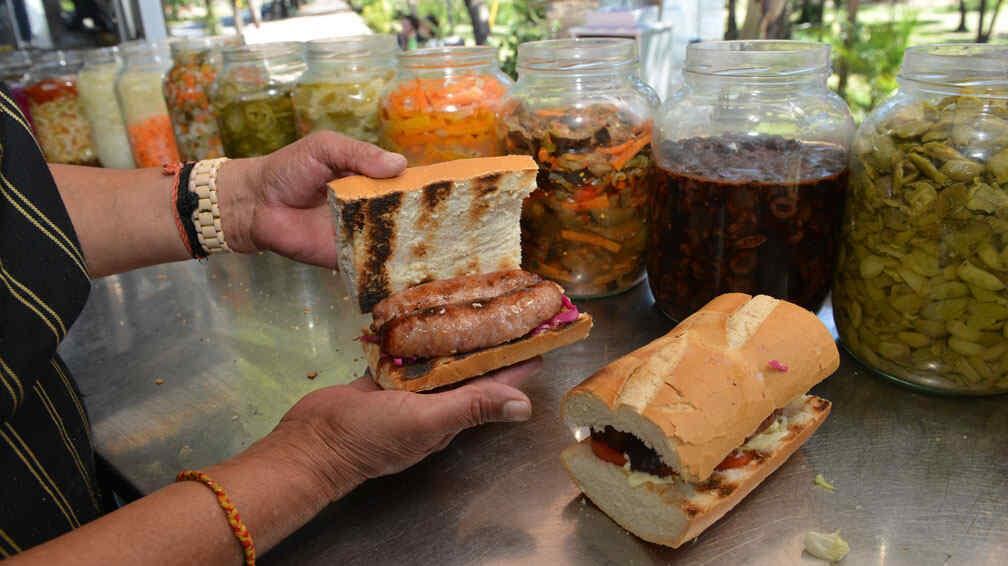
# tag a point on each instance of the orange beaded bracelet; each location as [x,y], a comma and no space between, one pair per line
[239,529]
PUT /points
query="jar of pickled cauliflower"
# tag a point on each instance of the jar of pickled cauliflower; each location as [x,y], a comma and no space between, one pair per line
[252,98]
[96,83]
[143,105]
[341,89]
[921,292]
[196,62]
[445,104]
[60,125]
[581,111]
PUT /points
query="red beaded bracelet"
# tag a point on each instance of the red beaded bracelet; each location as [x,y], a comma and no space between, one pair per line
[239,529]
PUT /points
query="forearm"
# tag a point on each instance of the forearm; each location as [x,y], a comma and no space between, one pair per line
[274,489]
[124,219]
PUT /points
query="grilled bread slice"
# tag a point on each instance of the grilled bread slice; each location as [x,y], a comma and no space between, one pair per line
[432,222]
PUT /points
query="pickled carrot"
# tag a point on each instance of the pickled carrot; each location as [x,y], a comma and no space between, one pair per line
[153,142]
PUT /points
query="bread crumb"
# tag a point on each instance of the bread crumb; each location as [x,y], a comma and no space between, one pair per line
[312,374]
[234,417]
[158,381]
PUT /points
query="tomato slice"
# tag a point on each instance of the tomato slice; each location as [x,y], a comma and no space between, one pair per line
[605,452]
[736,459]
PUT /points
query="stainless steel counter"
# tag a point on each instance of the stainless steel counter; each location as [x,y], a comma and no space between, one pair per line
[186,364]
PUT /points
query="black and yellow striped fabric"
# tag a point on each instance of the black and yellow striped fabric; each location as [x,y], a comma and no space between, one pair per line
[46,455]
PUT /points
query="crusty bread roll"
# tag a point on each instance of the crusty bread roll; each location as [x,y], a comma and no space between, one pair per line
[698,392]
[439,372]
[673,511]
[432,222]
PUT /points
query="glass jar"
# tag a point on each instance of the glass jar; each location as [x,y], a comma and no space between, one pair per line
[252,98]
[14,66]
[582,112]
[96,83]
[341,89]
[752,154]
[445,104]
[921,292]
[143,104]
[60,125]
[187,92]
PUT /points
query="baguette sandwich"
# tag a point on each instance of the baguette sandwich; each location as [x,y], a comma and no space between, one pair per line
[434,255]
[685,427]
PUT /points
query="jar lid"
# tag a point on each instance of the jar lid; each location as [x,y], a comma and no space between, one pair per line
[101,55]
[70,60]
[577,55]
[190,45]
[15,61]
[758,59]
[263,51]
[958,65]
[353,47]
[448,57]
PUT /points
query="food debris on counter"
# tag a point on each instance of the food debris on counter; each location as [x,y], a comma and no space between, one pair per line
[829,547]
[312,374]
[821,482]
[158,381]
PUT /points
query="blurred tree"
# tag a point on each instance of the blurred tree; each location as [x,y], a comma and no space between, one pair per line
[212,25]
[480,18]
[984,34]
[766,19]
[731,31]
[850,35]
[962,16]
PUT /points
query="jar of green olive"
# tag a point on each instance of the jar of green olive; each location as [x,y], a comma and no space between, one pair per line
[921,293]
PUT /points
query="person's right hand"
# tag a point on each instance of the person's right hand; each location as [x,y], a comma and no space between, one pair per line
[355,432]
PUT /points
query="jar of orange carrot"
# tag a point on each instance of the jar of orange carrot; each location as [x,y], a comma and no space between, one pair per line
[143,104]
[445,104]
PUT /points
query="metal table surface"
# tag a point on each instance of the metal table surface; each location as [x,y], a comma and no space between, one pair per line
[186,364]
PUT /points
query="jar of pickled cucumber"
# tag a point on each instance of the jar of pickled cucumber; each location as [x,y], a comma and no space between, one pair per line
[444,104]
[60,126]
[921,292]
[143,105]
[341,89]
[96,83]
[196,62]
[582,112]
[14,66]
[252,98]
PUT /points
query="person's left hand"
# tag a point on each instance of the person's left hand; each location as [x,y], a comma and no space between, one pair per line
[278,202]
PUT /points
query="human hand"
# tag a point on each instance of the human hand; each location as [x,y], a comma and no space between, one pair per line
[355,432]
[277,202]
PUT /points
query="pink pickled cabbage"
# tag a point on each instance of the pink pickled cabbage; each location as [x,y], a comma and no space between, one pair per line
[779,366]
[568,314]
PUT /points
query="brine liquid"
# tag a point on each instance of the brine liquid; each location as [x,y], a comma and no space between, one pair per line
[723,232]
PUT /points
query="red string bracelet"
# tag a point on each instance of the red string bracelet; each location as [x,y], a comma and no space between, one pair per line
[239,529]
[176,169]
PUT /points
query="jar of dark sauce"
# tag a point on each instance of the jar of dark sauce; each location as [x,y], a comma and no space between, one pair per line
[752,154]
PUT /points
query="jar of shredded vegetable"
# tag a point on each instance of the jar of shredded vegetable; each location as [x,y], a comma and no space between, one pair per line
[187,92]
[60,125]
[96,83]
[582,112]
[14,67]
[252,98]
[445,104]
[341,89]
[143,104]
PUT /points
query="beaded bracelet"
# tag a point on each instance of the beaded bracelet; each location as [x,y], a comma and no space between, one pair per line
[206,217]
[239,529]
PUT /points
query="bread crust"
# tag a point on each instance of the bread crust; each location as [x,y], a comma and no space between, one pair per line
[440,372]
[693,397]
[680,517]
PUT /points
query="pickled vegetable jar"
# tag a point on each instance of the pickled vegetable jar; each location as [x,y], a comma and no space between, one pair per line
[445,104]
[143,104]
[752,153]
[60,125]
[341,89]
[921,293]
[187,85]
[14,67]
[581,112]
[252,98]
[96,83]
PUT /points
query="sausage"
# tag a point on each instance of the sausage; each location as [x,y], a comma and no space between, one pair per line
[468,326]
[450,291]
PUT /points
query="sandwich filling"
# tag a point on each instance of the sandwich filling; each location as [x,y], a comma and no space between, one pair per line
[626,450]
[467,314]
